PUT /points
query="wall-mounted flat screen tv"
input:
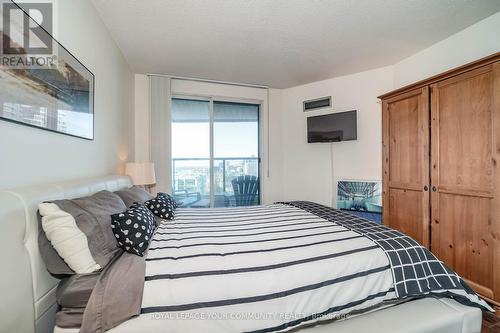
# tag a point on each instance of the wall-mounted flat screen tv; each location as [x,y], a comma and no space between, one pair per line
[334,127]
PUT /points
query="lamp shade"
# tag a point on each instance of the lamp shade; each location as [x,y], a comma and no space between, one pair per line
[141,173]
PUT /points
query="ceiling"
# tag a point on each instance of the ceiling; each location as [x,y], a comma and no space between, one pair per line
[280,43]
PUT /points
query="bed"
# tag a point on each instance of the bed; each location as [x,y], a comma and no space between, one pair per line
[29,299]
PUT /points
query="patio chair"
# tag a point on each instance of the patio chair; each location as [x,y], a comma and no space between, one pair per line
[246,190]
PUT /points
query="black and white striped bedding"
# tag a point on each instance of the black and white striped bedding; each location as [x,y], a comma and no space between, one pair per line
[258,269]
[264,268]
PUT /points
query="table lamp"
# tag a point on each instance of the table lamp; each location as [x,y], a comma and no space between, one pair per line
[141,173]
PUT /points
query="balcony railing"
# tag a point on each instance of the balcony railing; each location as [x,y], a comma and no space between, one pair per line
[191,179]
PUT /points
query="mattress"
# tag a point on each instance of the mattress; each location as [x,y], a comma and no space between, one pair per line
[416,316]
[278,268]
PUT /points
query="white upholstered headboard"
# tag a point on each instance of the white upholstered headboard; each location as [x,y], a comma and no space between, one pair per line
[27,295]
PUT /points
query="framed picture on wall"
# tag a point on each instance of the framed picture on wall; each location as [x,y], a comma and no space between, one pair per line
[45,86]
[360,196]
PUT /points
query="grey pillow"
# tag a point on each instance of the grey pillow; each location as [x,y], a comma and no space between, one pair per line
[74,291]
[93,217]
[133,194]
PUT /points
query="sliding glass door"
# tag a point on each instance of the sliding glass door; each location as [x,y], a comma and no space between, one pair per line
[191,152]
[215,153]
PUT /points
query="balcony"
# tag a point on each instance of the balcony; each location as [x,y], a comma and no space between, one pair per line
[191,180]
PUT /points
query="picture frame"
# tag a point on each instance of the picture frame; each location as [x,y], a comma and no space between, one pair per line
[56,94]
[360,195]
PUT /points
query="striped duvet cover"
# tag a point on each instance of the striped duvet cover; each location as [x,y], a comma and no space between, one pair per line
[257,269]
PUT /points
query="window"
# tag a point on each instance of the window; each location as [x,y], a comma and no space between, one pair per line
[215,153]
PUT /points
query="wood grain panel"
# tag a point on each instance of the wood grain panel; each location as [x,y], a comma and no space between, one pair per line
[463,176]
[406,163]
[466,244]
[495,210]
[465,132]
[405,211]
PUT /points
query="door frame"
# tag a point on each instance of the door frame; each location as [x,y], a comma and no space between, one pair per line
[211,100]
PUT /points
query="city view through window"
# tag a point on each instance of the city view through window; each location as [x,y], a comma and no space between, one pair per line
[235,153]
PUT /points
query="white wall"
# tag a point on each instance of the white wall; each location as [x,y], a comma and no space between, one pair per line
[275,177]
[307,167]
[477,41]
[29,155]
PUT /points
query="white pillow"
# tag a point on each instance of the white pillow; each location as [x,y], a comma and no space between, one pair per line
[67,239]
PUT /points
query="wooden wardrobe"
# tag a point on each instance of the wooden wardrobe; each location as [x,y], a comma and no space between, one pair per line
[441,179]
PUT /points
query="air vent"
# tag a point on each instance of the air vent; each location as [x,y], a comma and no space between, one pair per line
[318,103]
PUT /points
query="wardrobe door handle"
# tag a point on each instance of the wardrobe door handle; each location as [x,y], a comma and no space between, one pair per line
[426,188]
[434,189]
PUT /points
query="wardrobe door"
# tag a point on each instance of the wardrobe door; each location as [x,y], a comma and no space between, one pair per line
[406,163]
[464,180]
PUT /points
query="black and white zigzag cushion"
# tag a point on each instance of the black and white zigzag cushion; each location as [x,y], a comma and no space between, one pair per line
[162,206]
[134,228]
